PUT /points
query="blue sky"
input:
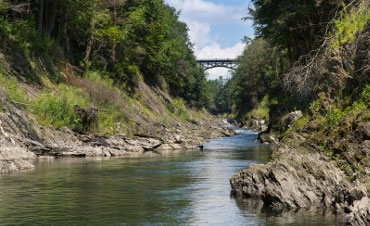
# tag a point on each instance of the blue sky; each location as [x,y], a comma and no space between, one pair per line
[215,28]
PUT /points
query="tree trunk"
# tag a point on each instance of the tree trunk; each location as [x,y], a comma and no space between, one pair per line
[290,55]
[277,70]
[88,52]
[114,41]
[65,33]
[52,18]
[91,41]
[41,16]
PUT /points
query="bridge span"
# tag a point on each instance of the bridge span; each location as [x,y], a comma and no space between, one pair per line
[213,63]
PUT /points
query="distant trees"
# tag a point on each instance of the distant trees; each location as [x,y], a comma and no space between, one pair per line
[218,97]
[257,75]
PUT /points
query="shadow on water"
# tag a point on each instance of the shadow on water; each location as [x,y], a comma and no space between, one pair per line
[179,188]
[267,216]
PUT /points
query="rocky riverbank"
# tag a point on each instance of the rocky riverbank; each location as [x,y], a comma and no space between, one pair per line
[300,176]
[21,142]
[302,179]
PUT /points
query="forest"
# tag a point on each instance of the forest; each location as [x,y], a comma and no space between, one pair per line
[123,40]
[114,52]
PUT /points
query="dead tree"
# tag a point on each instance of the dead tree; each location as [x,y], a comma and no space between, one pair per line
[89,118]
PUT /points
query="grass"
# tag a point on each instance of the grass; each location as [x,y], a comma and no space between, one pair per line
[178,108]
[350,23]
[118,112]
[57,109]
[262,111]
[9,88]
[301,122]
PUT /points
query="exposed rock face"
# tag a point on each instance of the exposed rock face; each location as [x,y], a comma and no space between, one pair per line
[271,135]
[299,179]
[258,124]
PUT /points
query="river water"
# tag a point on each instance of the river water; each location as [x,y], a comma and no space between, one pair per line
[181,188]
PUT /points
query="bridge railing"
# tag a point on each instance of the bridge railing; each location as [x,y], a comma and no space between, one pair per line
[217,60]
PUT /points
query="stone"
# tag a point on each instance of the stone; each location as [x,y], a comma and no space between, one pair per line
[301,179]
[363,131]
[267,138]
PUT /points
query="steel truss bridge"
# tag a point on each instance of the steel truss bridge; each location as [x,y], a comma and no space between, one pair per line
[213,63]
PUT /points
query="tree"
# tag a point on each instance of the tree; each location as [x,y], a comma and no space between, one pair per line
[298,26]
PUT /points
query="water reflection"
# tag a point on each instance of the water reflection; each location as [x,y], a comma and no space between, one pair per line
[182,188]
[267,216]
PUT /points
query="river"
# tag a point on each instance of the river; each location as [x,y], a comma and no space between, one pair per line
[178,188]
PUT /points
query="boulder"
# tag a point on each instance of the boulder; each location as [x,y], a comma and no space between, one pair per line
[301,179]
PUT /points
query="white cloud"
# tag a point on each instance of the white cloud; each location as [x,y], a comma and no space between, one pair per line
[215,73]
[199,33]
[202,16]
[208,11]
[215,51]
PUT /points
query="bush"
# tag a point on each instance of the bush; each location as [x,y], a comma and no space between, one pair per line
[366,94]
[350,23]
[261,111]
[178,108]
[9,87]
[57,109]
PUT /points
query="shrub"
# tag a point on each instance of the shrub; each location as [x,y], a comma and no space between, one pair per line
[301,122]
[366,93]
[57,109]
[334,116]
[178,108]
[349,24]
[262,110]
[9,87]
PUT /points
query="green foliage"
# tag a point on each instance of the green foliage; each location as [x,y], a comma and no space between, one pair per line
[113,121]
[126,40]
[217,94]
[359,110]
[315,106]
[24,35]
[57,109]
[366,94]
[297,26]
[301,122]
[261,111]
[350,23]
[255,78]
[333,117]
[9,87]
[178,107]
